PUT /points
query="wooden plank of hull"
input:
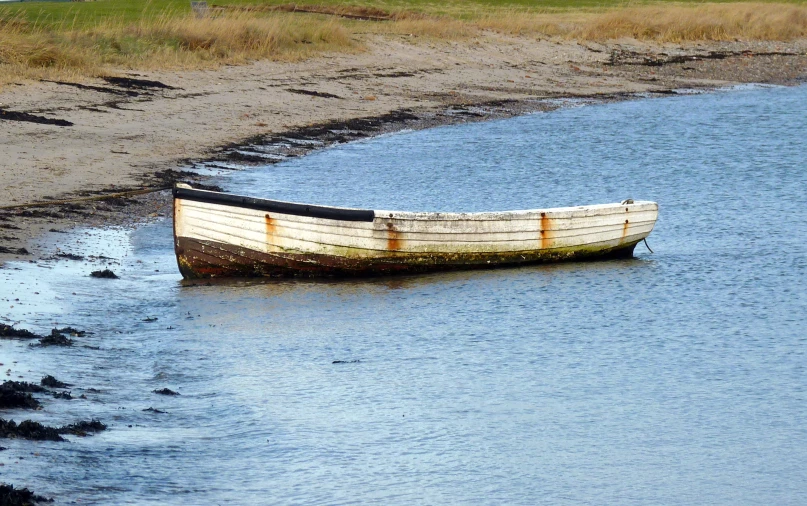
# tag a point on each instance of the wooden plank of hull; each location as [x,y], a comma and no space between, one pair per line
[213,239]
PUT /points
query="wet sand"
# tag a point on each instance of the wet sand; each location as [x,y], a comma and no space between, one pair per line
[113,137]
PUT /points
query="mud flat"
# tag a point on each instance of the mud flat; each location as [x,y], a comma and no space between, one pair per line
[97,153]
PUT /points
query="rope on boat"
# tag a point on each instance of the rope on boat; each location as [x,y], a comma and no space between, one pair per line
[87,199]
[648,246]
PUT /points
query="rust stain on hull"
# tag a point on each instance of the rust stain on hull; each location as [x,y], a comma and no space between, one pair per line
[205,259]
[270,225]
[271,229]
[394,241]
[626,226]
[546,234]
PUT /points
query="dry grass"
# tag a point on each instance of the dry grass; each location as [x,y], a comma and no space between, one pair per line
[399,22]
[386,21]
[163,41]
[426,27]
[346,11]
[27,51]
[662,23]
[515,22]
[238,37]
[703,22]
[35,49]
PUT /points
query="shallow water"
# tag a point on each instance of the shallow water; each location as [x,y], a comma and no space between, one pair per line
[677,377]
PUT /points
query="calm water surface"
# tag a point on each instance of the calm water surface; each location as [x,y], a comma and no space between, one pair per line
[673,378]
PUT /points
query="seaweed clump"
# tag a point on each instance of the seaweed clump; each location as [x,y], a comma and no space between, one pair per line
[70,330]
[10,496]
[165,391]
[55,338]
[22,386]
[104,274]
[9,332]
[51,382]
[83,428]
[15,394]
[28,429]
[35,431]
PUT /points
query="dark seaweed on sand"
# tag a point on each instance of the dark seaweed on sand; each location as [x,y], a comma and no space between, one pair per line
[69,256]
[14,251]
[33,118]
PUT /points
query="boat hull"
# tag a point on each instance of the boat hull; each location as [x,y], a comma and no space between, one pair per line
[217,235]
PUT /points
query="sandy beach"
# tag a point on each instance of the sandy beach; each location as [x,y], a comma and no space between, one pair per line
[65,141]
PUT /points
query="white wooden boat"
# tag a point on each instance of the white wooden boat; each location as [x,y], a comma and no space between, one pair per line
[223,235]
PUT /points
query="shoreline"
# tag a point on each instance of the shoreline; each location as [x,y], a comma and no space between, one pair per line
[130,206]
[81,145]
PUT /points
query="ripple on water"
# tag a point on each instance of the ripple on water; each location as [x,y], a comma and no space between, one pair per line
[668,378]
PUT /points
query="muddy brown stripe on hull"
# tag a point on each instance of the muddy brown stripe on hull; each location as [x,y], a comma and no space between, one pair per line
[205,259]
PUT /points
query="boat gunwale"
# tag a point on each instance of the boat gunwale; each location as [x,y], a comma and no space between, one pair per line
[278,206]
[368,215]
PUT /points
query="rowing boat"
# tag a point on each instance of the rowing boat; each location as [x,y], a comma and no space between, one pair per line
[223,235]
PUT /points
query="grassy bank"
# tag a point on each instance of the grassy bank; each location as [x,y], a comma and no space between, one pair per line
[73,40]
